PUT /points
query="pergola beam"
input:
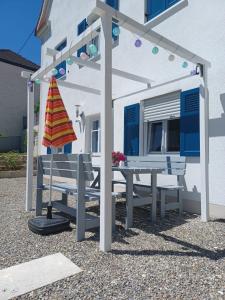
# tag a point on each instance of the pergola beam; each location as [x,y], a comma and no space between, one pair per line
[147,34]
[76,86]
[154,86]
[116,72]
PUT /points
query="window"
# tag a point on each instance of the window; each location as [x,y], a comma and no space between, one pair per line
[66,149]
[156,7]
[60,47]
[163,136]
[95,136]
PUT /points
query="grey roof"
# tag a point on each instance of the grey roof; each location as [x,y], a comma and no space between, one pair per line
[10,57]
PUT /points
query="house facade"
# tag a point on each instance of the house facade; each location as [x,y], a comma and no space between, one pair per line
[147,121]
[13,100]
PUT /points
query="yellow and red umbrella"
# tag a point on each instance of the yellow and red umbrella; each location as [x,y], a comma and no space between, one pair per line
[58,128]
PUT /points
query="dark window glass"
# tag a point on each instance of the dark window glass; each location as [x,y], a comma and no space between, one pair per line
[173,135]
[156,137]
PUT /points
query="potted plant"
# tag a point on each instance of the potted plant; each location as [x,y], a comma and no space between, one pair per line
[117,157]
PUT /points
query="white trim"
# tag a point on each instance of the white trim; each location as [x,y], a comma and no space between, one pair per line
[76,87]
[106,134]
[204,146]
[30,146]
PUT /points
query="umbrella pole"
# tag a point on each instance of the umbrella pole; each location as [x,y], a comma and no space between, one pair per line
[49,207]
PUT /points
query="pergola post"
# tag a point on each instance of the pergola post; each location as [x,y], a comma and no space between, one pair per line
[30,145]
[106,134]
[204,146]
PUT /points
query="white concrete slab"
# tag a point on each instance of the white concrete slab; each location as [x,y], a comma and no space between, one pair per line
[23,278]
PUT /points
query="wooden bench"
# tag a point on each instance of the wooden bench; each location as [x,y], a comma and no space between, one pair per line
[79,168]
[171,165]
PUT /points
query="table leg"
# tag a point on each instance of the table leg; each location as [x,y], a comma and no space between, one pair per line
[96,183]
[154,195]
[129,200]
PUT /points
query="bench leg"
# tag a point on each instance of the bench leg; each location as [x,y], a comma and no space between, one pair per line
[39,195]
[64,199]
[113,215]
[179,197]
[80,220]
[129,201]
[163,203]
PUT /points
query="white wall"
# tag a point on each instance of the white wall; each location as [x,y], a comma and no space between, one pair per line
[202,33]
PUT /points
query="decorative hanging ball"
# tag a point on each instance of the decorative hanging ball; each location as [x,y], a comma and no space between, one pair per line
[37,81]
[193,72]
[46,78]
[184,65]
[84,56]
[30,83]
[116,31]
[54,71]
[93,49]
[138,43]
[62,71]
[155,50]
[69,61]
[171,57]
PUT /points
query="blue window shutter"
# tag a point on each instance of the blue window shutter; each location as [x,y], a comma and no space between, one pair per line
[131,129]
[171,3]
[155,7]
[81,28]
[63,63]
[68,148]
[113,3]
[49,150]
[189,123]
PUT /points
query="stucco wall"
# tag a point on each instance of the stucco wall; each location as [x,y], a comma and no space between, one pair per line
[13,100]
[200,28]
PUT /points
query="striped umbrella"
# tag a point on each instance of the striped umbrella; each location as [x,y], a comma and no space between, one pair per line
[58,129]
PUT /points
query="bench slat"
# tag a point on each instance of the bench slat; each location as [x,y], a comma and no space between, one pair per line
[66,165]
[67,157]
[68,173]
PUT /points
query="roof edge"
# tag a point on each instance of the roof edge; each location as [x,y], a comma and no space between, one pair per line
[43,16]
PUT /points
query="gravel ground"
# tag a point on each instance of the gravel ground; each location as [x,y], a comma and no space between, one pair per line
[178,258]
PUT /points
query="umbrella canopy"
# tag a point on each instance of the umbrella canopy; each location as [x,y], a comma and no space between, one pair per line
[58,127]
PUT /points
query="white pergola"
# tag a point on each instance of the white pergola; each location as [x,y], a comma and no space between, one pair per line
[103,15]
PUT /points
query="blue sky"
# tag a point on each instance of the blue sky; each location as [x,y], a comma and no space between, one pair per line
[17,20]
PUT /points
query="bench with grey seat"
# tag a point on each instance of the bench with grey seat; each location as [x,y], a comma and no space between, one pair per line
[170,165]
[79,168]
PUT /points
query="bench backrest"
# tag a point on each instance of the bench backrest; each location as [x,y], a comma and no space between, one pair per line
[171,164]
[75,166]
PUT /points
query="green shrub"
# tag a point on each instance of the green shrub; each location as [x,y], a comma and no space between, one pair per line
[11,160]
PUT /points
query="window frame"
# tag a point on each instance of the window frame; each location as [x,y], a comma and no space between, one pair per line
[164,145]
[89,130]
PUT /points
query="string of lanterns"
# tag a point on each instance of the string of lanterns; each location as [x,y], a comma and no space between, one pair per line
[93,51]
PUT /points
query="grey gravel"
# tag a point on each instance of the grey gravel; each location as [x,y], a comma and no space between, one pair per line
[177,258]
